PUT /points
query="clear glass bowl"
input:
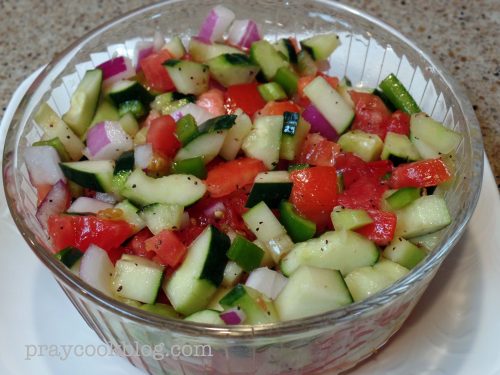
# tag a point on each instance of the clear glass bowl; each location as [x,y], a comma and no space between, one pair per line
[333,341]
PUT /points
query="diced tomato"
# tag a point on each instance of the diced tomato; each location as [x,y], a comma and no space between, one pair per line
[168,247]
[399,123]
[136,245]
[152,116]
[318,151]
[230,176]
[314,193]
[188,234]
[42,191]
[161,135]
[381,230]
[116,253]
[353,168]
[82,231]
[278,108]
[364,193]
[213,101]
[155,73]
[423,173]
[228,219]
[245,96]
[371,114]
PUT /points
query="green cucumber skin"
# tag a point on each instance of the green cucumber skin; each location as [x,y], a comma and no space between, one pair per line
[86,179]
[223,122]
[57,145]
[69,256]
[125,162]
[134,92]
[397,94]
[213,269]
[403,197]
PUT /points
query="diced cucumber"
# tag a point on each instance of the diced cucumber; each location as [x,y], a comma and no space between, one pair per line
[297,167]
[69,256]
[431,138]
[338,250]
[130,215]
[124,91]
[218,295]
[257,308]
[84,102]
[367,281]
[330,104]
[271,188]
[267,228]
[349,219]
[402,197]
[264,55]
[141,136]
[365,145]
[232,69]
[263,141]
[223,122]
[93,174]
[161,216]
[206,145]
[287,79]
[134,107]
[105,112]
[236,135]
[399,149]
[57,145]
[129,124]
[306,65]
[193,284]
[53,126]
[312,291]
[194,166]
[292,144]
[424,215]
[267,260]
[175,47]
[174,189]
[404,253]
[232,274]
[397,94]
[137,278]
[271,91]
[245,253]
[298,228]
[427,241]
[189,77]
[171,101]
[320,47]
[125,162]
[202,52]
[206,317]
[161,309]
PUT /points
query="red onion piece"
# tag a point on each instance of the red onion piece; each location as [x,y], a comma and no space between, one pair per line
[233,316]
[107,141]
[215,24]
[200,114]
[84,205]
[116,69]
[244,32]
[319,124]
[268,282]
[56,202]
[143,155]
[42,163]
[96,269]
[106,197]
[141,51]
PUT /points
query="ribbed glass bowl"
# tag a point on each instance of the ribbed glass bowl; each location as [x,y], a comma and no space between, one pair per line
[333,341]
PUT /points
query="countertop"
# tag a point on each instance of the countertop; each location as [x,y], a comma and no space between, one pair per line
[461,34]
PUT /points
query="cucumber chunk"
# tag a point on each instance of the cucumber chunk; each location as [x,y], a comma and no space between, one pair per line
[192,285]
[263,141]
[349,219]
[312,291]
[320,47]
[365,145]
[404,253]
[92,174]
[270,188]
[236,135]
[402,197]
[265,55]
[189,77]
[124,91]
[206,145]
[202,52]
[130,215]
[338,250]
[397,94]
[399,149]
[137,278]
[206,317]
[161,216]
[291,145]
[84,102]
[232,69]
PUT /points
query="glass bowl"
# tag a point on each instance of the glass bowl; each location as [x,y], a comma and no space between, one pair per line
[333,341]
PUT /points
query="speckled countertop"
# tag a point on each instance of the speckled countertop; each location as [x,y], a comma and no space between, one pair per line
[463,35]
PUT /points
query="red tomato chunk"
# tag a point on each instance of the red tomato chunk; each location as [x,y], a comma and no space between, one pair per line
[423,173]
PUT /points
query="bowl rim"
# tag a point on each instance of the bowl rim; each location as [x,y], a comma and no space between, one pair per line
[316,322]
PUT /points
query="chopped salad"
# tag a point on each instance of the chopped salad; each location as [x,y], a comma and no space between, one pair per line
[232,180]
